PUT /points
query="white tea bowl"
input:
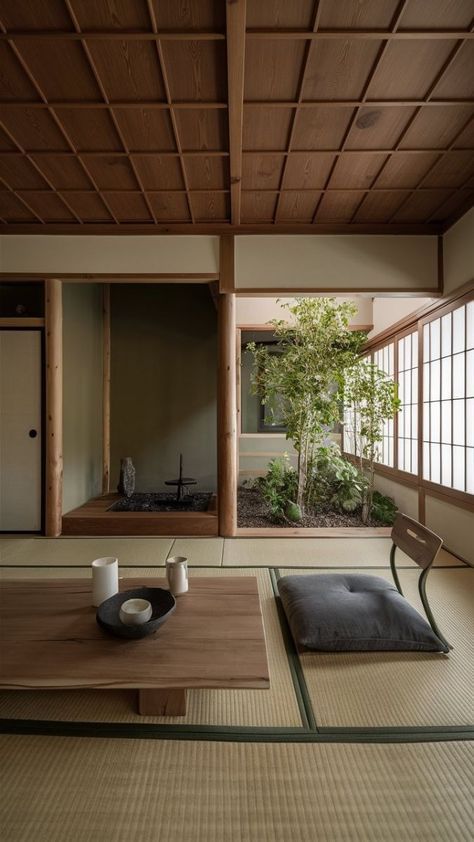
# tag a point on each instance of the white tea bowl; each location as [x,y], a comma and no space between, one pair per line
[135,612]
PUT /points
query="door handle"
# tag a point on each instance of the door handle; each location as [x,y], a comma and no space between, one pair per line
[33,433]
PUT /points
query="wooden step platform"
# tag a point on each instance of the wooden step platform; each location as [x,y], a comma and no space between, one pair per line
[95,518]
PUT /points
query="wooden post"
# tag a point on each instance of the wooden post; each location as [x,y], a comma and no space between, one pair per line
[227,418]
[106,389]
[54,407]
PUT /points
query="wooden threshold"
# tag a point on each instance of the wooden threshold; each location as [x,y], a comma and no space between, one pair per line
[95,518]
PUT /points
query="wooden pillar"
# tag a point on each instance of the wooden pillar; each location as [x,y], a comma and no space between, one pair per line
[54,406]
[227,418]
[106,389]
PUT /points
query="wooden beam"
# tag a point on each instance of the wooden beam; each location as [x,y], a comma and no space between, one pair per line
[54,406]
[227,263]
[235,23]
[219,228]
[106,389]
[227,417]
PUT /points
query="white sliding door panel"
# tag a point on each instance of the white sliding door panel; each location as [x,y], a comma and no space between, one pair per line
[20,430]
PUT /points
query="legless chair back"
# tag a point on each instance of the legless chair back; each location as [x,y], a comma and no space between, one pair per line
[422,546]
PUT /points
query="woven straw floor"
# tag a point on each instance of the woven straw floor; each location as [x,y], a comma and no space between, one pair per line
[402,689]
[88,790]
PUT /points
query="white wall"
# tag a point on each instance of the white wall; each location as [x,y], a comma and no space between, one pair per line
[458,248]
[337,262]
[389,311]
[259,311]
[405,496]
[453,524]
[63,254]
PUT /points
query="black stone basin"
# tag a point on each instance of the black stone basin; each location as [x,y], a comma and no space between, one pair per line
[162,502]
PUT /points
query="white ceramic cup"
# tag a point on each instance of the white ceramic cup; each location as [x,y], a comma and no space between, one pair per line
[177,574]
[104,579]
[135,612]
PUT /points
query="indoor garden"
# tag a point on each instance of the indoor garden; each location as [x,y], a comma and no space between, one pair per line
[313,381]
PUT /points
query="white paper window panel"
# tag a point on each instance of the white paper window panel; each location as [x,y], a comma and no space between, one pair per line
[470,470]
[459,365]
[435,380]
[401,388]
[414,420]
[470,324]
[459,416]
[446,474]
[401,454]
[408,362]
[414,347]
[426,381]
[426,422]
[470,422]
[435,421]
[458,468]
[459,330]
[446,335]
[401,355]
[435,458]
[435,339]
[426,460]
[446,417]
[414,385]
[470,374]
[414,456]
[446,385]
[426,342]
[408,381]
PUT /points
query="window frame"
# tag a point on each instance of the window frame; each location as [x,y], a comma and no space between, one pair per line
[417,324]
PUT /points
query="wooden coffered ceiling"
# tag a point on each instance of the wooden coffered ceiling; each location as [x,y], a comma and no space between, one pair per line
[206,115]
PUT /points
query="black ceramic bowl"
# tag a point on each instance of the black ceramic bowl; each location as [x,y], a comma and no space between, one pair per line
[163,604]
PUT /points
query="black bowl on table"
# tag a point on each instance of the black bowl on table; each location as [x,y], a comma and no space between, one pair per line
[162,602]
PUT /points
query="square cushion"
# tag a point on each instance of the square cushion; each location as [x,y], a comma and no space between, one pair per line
[355,612]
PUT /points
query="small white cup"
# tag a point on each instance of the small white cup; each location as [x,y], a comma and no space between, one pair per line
[177,574]
[135,612]
[104,579]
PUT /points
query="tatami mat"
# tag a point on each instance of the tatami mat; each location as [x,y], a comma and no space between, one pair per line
[88,790]
[275,707]
[205,552]
[402,689]
[316,552]
[130,551]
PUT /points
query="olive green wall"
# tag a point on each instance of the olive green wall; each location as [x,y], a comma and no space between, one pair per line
[163,391]
[82,393]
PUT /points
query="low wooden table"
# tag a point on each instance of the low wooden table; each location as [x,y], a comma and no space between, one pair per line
[215,638]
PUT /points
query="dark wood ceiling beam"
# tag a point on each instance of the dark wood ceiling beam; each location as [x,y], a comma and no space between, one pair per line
[95,73]
[216,228]
[256,34]
[56,119]
[210,106]
[308,47]
[19,150]
[21,200]
[217,153]
[162,65]
[235,29]
[225,190]
[394,23]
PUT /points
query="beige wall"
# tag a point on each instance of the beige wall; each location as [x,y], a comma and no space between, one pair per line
[337,262]
[82,398]
[388,311]
[259,311]
[458,248]
[453,524]
[163,393]
[405,497]
[108,254]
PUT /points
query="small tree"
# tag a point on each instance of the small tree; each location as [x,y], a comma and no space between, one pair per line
[373,397]
[308,373]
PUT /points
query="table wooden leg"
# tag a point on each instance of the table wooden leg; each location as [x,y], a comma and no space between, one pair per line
[169,702]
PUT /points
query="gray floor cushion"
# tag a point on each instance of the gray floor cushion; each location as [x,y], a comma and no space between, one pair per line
[335,612]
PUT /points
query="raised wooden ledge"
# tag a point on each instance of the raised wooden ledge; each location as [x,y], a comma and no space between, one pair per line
[314,532]
[95,518]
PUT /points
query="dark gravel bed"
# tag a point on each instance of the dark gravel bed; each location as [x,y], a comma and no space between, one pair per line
[162,502]
[253,511]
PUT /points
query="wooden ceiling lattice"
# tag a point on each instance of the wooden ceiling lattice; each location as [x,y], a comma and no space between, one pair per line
[207,115]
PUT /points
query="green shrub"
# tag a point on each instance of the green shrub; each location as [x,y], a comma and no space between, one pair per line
[293,512]
[383,508]
[335,480]
[279,486]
